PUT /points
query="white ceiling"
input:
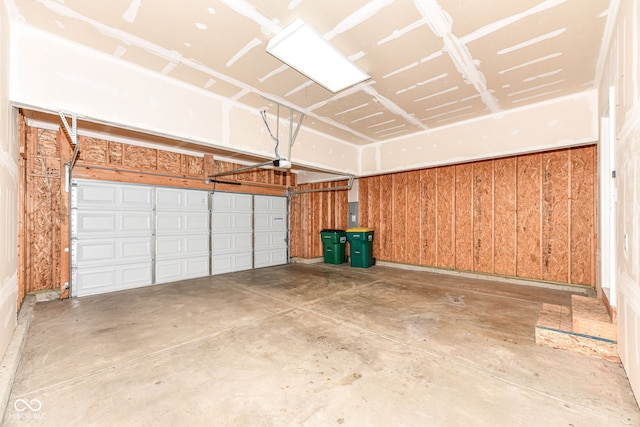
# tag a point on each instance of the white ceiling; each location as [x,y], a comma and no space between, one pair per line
[432,62]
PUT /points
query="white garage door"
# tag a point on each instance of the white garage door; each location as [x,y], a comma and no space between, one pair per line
[125,236]
[112,232]
[270,231]
[231,232]
[182,234]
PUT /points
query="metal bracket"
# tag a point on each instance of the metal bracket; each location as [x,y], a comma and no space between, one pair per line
[72,134]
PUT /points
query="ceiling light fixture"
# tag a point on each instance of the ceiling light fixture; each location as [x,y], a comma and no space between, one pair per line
[305,50]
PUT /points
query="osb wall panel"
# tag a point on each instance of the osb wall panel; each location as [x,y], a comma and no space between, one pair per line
[428,223]
[44,214]
[385,221]
[530,216]
[583,215]
[483,225]
[374,212]
[555,216]
[505,218]
[137,158]
[413,219]
[463,217]
[93,150]
[312,212]
[168,161]
[41,215]
[445,217]
[399,229]
[114,154]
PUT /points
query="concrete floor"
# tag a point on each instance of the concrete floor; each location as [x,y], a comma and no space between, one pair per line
[311,345]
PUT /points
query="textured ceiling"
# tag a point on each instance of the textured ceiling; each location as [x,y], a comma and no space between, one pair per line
[432,62]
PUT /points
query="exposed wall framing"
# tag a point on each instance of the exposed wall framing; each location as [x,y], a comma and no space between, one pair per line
[312,212]
[530,216]
[44,211]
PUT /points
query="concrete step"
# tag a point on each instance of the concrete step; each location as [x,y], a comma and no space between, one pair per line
[555,328]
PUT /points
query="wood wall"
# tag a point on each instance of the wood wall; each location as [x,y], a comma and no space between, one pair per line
[44,211]
[530,216]
[39,225]
[312,212]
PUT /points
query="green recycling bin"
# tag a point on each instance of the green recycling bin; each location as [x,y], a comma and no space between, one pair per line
[333,245]
[361,247]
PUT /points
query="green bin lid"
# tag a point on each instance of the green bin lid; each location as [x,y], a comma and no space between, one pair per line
[330,230]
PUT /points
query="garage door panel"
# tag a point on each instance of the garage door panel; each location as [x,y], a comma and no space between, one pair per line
[180,222]
[95,195]
[232,202]
[113,223]
[242,261]
[228,263]
[230,242]
[181,199]
[270,204]
[134,222]
[228,221]
[221,264]
[97,280]
[135,197]
[181,269]
[120,250]
[182,246]
[271,257]
[268,221]
[277,239]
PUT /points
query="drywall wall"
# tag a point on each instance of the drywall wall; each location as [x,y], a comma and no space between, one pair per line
[8,197]
[621,72]
[562,122]
[54,74]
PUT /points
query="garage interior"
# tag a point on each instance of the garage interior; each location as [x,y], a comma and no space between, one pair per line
[165,181]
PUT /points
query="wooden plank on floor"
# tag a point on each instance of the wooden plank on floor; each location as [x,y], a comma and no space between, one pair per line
[590,317]
[553,316]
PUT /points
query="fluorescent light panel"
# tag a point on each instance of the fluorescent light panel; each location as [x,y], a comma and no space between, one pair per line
[305,50]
